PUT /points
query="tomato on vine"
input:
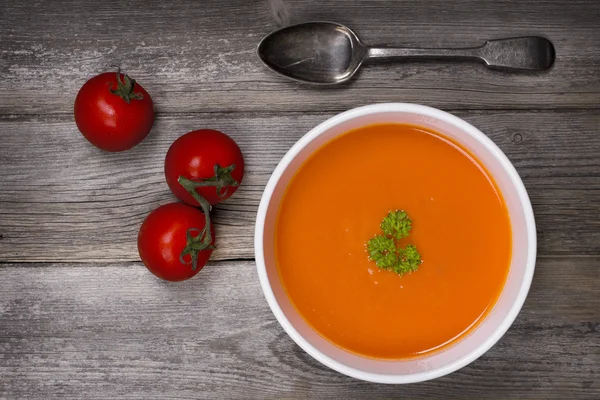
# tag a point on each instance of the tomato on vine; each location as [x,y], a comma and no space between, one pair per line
[175,241]
[202,168]
[207,162]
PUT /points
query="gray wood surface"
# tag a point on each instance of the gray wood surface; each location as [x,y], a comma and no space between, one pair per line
[113,331]
[81,318]
[93,203]
[199,56]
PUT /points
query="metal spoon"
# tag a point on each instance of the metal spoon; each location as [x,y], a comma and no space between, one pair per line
[328,53]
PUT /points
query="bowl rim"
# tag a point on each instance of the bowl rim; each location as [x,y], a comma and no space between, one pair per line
[426,111]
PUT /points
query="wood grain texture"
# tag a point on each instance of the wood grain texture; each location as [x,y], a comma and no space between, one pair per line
[199,56]
[110,330]
[115,331]
[64,200]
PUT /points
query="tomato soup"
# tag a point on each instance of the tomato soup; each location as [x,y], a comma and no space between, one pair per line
[335,203]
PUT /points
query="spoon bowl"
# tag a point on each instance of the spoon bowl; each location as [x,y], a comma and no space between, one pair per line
[314,52]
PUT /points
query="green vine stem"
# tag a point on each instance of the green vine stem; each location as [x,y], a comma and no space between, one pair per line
[125,88]
[220,181]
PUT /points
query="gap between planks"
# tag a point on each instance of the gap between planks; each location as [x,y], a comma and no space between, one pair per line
[170,115]
[129,263]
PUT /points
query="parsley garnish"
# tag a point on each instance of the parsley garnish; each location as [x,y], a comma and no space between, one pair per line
[385,250]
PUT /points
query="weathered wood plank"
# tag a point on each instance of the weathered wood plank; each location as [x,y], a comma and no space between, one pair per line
[64,200]
[200,55]
[115,331]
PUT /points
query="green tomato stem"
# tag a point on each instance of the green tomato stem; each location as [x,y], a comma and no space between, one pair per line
[125,88]
[204,238]
[190,187]
[220,181]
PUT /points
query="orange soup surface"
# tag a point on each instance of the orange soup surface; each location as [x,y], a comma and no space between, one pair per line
[335,203]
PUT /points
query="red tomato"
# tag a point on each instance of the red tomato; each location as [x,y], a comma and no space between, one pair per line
[163,237]
[209,157]
[113,115]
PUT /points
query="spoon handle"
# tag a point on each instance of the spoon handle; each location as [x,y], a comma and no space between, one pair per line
[524,53]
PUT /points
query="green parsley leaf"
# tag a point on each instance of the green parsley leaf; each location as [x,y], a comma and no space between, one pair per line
[409,259]
[381,244]
[384,250]
[396,224]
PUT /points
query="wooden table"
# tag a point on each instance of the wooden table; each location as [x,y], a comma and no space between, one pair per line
[81,318]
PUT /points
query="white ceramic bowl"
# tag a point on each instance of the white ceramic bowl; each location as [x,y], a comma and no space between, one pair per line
[479,340]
